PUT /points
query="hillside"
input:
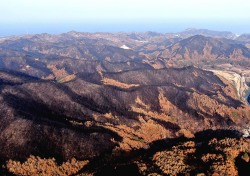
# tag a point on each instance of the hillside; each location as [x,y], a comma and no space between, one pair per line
[108,115]
[56,56]
[244,38]
[200,47]
[94,103]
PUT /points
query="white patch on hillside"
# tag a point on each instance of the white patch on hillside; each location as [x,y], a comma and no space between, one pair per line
[125,47]
[142,41]
[246,132]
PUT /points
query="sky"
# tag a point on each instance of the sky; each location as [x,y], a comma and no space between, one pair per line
[57,16]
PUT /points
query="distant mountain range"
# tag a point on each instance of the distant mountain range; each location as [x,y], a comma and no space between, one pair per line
[200,47]
[35,54]
[208,33]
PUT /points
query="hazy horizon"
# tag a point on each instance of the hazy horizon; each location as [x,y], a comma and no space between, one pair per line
[165,16]
[167,27]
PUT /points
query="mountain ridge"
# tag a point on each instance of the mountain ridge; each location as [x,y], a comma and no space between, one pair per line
[98,108]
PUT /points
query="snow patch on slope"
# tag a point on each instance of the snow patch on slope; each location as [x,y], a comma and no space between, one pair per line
[125,47]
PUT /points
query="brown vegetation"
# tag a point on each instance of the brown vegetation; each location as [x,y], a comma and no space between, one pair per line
[58,73]
[120,108]
[112,82]
[42,167]
[215,157]
[191,157]
[67,78]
